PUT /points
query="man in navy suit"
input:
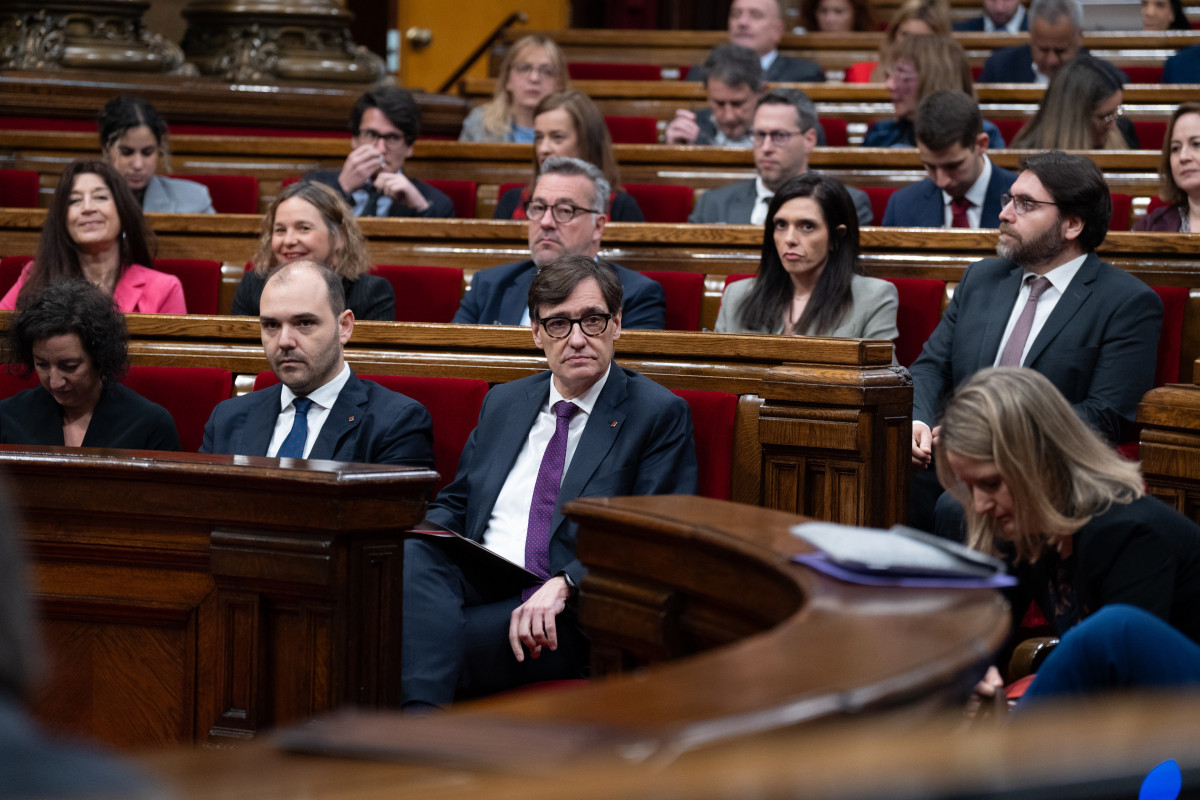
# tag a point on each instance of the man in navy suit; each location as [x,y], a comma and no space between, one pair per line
[566,217]
[734,81]
[964,187]
[758,24]
[385,124]
[625,435]
[1055,37]
[1091,328]
[1183,67]
[320,409]
[999,16]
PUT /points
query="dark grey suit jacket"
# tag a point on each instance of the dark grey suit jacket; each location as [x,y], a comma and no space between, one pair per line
[1099,345]
[368,424]
[733,204]
[638,441]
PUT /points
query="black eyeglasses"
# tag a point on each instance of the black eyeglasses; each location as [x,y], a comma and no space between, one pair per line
[590,324]
[1023,204]
[371,136]
[778,138]
[563,212]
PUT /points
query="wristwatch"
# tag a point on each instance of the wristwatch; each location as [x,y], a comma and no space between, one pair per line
[572,587]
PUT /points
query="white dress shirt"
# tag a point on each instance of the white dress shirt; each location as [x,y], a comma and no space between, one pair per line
[976,194]
[1060,277]
[509,522]
[763,198]
[323,400]
[1013,25]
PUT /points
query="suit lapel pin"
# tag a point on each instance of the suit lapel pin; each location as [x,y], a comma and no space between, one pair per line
[350,420]
[614,424]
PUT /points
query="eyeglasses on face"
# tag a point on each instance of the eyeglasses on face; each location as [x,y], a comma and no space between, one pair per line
[590,324]
[778,138]
[525,70]
[1108,119]
[562,212]
[371,136]
[1022,203]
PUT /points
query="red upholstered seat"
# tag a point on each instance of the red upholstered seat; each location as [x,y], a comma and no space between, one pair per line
[633,130]
[1144,74]
[1122,207]
[188,393]
[453,403]
[920,310]
[835,132]
[461,193]
[713,418]
[737,276]
[11,384]
[662,203]
[589,71]
[879,199]
[684,294]
[1009,128]
[10,270]
[423,294]
[1170,345]
[231,194]
[18,188]
[201,282]
[505,187]
[1150,133]
[859,73]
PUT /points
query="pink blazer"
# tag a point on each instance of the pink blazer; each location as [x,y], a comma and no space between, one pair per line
[140,290]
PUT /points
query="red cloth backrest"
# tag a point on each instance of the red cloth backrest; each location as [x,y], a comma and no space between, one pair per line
[453,403]
[1009,127]
[10,270]
[1144,73]
[662,203]
[919,312]
[835,132]
[879,199]
[713,418]
[423,294]
[461,193]
[684,294]
[1170,340]
[201,282]
[1122,207]
[1150,133]
[289,181]
[18,188]
[189,394]
[976,71]
[231,194]
[589,71]
[737,276]
[633,130]
[11,384]
[859,72]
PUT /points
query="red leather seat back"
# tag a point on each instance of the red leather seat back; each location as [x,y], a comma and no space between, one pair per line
[201,282]
[662,203]
[685,294]
[461,193]
[919,313]
[231,194]
[423,294]
[189,394]
[713,417]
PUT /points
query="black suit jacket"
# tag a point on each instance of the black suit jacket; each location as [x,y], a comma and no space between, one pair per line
[368,424]
[368,296]
[1099,345]
[122,418]
[919,205]
[638,441]
[440,204]
[782,70]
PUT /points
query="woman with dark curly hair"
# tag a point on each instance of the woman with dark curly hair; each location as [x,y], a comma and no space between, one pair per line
[72,336]
[94,230]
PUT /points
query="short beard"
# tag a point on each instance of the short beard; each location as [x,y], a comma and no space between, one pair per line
[1034,252]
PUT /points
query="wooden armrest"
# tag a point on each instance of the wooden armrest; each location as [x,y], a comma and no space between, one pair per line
[1029,655]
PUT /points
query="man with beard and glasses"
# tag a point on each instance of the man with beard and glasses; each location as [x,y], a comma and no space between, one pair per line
[320,408]
[1048,303]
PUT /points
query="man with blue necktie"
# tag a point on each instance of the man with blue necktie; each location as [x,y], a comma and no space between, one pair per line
[320,408]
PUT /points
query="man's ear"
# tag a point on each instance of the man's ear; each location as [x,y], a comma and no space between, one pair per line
[345,326]
[981,142]
[536,330]
[1072,227]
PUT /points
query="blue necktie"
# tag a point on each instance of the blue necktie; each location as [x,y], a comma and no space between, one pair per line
[293,445]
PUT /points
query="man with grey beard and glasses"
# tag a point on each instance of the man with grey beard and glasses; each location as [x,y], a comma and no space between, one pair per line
[1049,303]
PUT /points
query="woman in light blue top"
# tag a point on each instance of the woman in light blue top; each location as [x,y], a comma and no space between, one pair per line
[533,68]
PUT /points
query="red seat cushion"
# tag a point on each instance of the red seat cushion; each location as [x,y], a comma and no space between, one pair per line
[1009,128]
[461,193]
[589,71]
[713,417]
[1144,74]
[18,188]
[10,270]
[1150,133]
[189,394]
[879,199]
[11,383]
[661,202]
[1170,341]
[1122,207]
[919,313]
[835,132]
[423,294]
[231,194]
[633,130]
[684,295]
[201,282]
[859,73]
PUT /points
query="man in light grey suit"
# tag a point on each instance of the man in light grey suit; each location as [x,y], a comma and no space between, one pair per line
[784,133]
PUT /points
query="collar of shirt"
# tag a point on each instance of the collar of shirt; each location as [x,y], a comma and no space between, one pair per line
[1061,276]
[586,401]
[325,396]
[977,194]
[383,203]
[724,141]
[1038,77]
[768,60]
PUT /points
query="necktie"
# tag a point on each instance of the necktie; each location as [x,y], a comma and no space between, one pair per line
[759,214]
[1011,357]
[958,212]
[545,496]
[293,444]
[371,208]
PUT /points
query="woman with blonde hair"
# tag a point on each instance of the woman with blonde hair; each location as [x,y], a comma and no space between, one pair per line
[1042,489]
[912,18]
[1081,110]
[533,68]
[1179,172]
[916,67]
[310,220]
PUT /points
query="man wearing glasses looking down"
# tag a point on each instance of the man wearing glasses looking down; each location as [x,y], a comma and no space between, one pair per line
[585,428]
[566,217]
[784,132]
[385,124]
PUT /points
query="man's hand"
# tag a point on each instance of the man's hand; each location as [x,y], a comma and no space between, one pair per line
[683,129]
[361,165]
[984,692]
[922,445]
[532,622]
[398,187]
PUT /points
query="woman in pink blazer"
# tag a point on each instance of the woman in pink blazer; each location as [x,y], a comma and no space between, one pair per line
[94,230]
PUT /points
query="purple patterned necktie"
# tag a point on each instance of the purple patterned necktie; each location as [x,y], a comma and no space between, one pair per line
[1011,357]
[545,496]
